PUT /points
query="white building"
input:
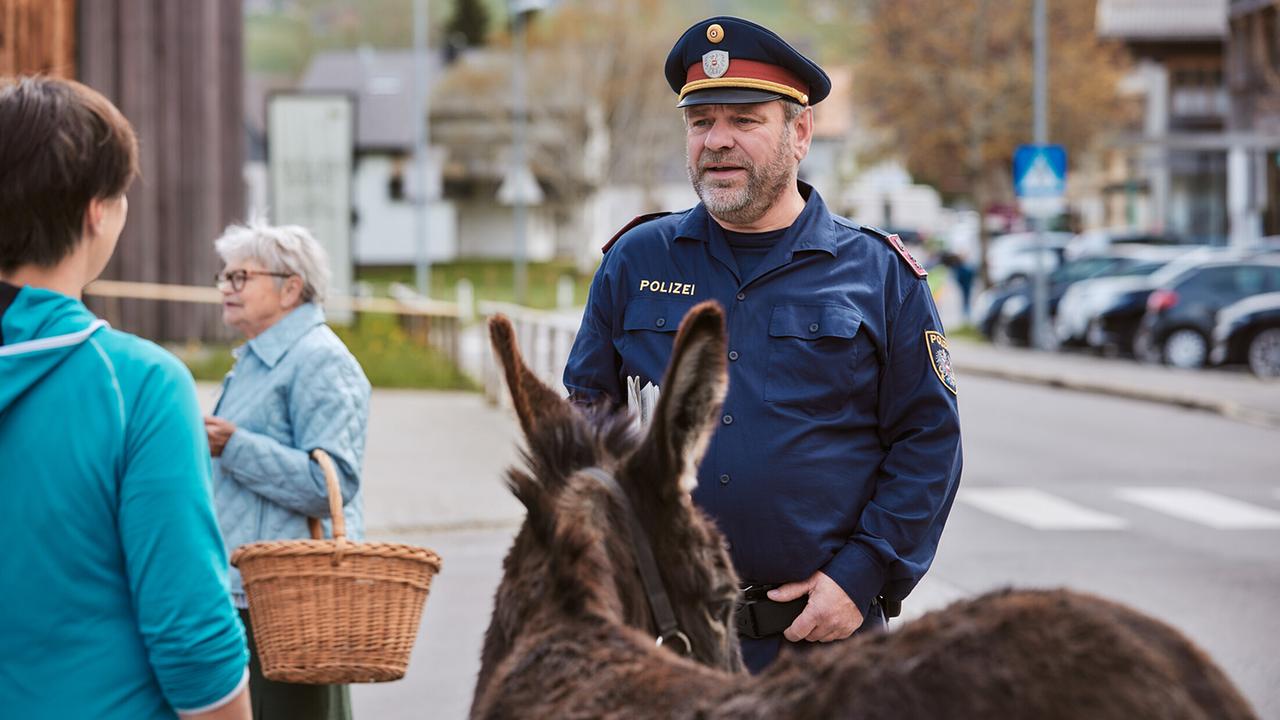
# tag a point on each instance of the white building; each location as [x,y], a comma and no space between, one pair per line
[386,176]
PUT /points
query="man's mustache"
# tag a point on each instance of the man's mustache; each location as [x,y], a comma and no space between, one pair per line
[705,162]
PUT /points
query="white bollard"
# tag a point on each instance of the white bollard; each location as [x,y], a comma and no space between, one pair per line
[564,292]
[466,300]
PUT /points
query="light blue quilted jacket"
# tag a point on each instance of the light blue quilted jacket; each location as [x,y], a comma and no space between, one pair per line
[294,388]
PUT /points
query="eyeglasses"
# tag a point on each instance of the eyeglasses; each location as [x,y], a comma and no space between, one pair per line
[237,278]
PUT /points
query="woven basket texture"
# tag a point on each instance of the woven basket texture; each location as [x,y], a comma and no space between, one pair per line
[334,611]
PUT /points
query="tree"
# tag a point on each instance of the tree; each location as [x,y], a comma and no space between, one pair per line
[951,84]
[469,22]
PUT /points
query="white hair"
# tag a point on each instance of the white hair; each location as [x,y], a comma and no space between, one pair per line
[284,248]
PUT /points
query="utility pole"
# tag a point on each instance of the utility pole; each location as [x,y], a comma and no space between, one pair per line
[421,144]
[1040,290]
[520,119]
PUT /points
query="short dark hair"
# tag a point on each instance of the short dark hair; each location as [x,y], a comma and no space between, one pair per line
[62,144]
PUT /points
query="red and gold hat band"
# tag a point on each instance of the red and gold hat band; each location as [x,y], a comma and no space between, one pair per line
[749,74]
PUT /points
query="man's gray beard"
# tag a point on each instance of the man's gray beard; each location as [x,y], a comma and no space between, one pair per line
[765,185]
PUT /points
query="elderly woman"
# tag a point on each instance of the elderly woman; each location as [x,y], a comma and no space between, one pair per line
[113,576]
[294,388]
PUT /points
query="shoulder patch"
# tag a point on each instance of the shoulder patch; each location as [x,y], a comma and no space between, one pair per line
[940,357]
[638,220]
[899,247]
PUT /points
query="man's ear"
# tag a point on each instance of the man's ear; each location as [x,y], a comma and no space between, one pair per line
[803,133]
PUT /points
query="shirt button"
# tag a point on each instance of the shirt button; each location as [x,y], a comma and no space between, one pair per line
[728,419]
[813,327]
[742,296]
[733,354]
[724,479]
[660,322]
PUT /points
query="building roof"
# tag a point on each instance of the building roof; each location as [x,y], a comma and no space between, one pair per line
[382,82]
[1162,19]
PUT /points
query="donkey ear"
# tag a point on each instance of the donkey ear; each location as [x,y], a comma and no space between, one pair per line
[692,392]
[534,402]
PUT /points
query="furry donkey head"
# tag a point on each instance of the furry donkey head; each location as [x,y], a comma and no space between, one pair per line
[574,556]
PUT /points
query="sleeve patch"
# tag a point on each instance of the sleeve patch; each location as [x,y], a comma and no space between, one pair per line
[638,220]
[940,358]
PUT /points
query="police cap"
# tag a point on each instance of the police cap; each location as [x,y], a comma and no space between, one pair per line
[728,60]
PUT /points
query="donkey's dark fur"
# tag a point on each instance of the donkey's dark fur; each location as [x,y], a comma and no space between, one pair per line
[571,634]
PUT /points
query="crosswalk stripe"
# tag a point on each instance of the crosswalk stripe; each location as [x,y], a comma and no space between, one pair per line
[1037,509]
[1203,507]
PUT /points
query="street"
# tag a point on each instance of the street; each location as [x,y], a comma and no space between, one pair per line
[1173,511]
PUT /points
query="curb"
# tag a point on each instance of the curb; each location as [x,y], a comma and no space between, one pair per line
[1223,408]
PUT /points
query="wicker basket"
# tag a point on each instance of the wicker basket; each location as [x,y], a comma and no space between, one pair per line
[334,611]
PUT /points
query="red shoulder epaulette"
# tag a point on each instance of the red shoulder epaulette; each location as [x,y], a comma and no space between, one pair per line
[896,243]
[638,220]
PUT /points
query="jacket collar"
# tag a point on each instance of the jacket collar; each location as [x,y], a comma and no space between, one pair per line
[813,229]
[272,344]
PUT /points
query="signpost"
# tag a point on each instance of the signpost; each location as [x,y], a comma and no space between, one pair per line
[1040,182]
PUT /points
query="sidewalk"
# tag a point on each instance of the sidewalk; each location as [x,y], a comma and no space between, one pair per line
[1233,394]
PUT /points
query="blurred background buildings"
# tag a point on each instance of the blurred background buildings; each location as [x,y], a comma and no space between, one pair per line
[1170,110]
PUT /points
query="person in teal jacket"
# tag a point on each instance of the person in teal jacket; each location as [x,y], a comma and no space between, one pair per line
[113,576]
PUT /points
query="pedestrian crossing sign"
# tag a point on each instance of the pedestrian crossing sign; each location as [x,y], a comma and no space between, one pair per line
[1040,179]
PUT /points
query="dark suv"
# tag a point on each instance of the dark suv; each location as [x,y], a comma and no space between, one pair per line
[1249,332]
[1178,324]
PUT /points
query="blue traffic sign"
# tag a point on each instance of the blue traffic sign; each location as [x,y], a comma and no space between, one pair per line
[1040,178]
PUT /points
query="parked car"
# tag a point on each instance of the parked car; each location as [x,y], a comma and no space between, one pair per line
[1178,324]
[1248,331]
[1011,324]
[1017,255]
[1104,313]
[1100,241]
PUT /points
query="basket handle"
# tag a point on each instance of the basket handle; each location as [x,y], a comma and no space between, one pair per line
[335,499]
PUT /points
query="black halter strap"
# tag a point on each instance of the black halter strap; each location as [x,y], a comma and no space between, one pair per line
[664,617]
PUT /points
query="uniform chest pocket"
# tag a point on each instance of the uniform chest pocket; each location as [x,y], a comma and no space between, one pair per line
[649,326]
[812,356]
[648,314]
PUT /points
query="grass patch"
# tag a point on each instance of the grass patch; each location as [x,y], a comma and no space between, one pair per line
[966,332]
[492,280]
[390,358]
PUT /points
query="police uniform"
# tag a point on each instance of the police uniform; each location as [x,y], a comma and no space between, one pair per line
[838,448]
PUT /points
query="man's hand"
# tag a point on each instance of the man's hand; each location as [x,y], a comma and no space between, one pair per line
[830,614]
[219,432]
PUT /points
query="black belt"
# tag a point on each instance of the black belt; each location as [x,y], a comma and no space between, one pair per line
[757,616]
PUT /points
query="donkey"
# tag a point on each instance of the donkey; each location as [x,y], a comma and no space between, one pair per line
[575,619]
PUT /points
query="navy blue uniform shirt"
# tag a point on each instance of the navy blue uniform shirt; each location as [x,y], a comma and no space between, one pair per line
[839,444]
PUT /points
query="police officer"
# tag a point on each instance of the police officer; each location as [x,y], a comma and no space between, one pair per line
[838,453]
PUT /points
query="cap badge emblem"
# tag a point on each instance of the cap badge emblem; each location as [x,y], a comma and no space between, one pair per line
[715,63]
[715,33]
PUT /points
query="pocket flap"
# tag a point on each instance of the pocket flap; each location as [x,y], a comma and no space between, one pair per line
[655,315]
[811,322]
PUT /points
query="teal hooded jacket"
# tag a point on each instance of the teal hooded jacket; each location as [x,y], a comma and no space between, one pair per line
[113,576]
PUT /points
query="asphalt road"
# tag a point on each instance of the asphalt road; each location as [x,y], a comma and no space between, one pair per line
[1172,511]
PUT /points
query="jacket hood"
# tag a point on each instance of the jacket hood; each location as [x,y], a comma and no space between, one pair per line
[38,331]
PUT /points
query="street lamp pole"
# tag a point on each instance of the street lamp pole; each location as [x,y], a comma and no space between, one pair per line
[421,141]
[519,121]
[1040,290]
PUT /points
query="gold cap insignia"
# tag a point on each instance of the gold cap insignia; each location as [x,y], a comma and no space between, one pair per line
[715,33]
